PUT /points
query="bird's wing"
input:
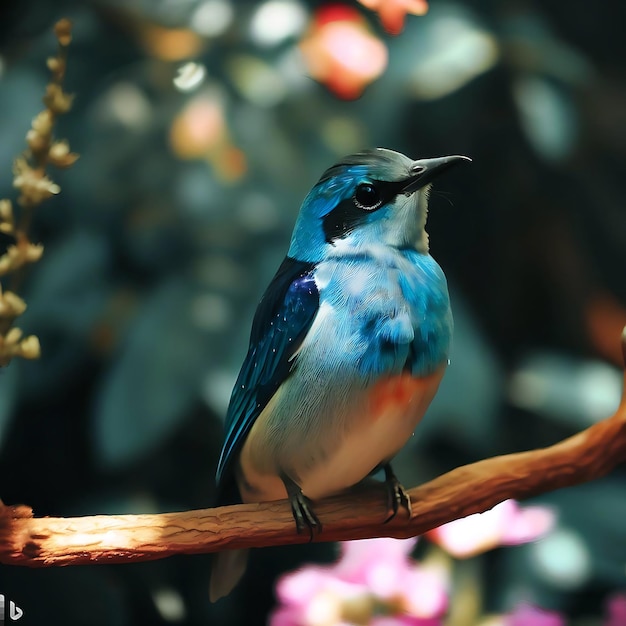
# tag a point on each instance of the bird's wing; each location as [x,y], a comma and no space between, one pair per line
[280,324]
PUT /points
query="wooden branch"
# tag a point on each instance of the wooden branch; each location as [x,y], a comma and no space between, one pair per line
[39,542]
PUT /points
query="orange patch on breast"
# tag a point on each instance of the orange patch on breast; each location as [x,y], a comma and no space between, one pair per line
[396,393]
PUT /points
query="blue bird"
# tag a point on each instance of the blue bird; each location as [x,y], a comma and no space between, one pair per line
[348,346]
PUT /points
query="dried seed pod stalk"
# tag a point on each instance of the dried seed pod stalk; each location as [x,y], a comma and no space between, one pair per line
[31,178]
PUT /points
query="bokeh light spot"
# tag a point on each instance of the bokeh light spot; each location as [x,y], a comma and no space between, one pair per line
[277,20]
[460,52]
[257,81]
[171,44]
[198,128]
[170,604]
[212,18]
[126,104]
[342,53]
[562,559]
[189,76]
[343,135]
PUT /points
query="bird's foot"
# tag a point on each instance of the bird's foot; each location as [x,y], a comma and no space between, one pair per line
[301,509]
[397,495]
[304,515]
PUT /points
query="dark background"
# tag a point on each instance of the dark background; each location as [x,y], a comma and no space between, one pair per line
[156,257]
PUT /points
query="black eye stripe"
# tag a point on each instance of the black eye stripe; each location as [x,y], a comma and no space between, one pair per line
[348,214]
[343,219]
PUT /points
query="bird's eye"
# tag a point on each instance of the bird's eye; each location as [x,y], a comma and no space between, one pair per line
[367,197]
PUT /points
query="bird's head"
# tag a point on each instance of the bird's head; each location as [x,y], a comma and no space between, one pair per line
[373,197]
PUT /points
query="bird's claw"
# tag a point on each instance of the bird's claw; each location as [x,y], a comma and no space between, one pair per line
[301,508]
[304,515]
[397,495]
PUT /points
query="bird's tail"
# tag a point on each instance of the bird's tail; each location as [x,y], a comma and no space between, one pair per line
[227,569]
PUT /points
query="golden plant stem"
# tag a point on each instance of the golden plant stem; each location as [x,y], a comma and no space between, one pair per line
[359,514]
[37,156]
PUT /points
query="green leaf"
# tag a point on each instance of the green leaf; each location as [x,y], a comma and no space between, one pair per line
[65,299]
[155,380]
[68,289]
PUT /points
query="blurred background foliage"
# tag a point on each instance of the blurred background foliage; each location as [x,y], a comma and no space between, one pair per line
[200,130]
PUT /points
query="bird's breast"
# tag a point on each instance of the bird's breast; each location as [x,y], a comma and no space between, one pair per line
[378,423]
[393,408]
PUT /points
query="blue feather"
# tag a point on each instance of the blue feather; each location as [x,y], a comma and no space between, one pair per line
[281,322]
[427,294]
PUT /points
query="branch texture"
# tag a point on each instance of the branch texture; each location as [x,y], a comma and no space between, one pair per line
[359,514]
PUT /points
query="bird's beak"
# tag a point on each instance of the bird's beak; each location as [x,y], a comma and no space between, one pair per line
[424,171]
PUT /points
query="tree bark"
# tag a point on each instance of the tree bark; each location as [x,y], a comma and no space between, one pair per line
[358,514]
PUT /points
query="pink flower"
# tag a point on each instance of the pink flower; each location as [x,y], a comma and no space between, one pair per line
[374,582]
[393,12]
[506,524]
[341,52]
[616,610]
[527,615]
